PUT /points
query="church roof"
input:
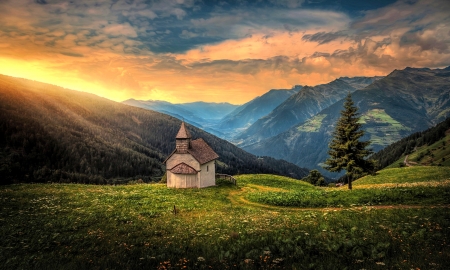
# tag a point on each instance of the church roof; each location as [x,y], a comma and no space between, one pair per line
[202,152]
[183,168]
[183,133]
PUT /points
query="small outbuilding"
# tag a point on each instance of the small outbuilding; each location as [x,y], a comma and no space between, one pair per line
[192,163]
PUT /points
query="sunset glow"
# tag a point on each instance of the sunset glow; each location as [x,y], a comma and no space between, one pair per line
[215,51]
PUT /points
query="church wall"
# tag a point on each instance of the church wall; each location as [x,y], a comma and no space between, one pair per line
[182,180]
[208,174]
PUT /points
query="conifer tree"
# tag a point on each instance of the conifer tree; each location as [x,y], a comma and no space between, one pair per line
[347,152]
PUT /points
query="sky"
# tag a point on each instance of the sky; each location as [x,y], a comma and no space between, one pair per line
[216,51]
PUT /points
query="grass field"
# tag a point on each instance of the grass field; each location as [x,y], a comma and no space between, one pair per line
[72,226]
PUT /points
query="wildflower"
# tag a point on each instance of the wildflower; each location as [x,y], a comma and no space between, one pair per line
[278,260]
[200,259]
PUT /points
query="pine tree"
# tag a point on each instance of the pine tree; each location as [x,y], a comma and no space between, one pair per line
[347,152]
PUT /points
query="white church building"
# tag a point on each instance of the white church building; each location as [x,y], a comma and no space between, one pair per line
[191,164]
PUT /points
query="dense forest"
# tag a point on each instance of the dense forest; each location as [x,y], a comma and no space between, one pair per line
[405,146]
[48,133]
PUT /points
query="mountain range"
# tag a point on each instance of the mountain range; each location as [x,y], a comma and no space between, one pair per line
[404,102]
[48,133]
[203,115]
[300,107]
[47,130]
[221,119]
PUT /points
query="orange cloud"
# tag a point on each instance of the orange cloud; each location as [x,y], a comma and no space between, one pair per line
[250,52]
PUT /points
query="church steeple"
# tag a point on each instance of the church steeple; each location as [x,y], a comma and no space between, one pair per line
[183,139]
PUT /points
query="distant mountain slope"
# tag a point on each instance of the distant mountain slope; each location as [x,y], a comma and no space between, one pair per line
[200,114]
[48,133]
[404,102]
[251,111]
[431,146]
[300,107]
[163,107]
[208,110]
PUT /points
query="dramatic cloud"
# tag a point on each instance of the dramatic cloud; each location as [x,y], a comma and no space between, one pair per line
[187,50]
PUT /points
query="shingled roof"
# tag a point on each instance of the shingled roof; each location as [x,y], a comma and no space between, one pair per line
[183,168]
[183,133]
[202,152]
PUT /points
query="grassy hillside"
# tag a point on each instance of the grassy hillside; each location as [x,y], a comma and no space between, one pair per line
[428,147]
[74,226]
[386,188]
[436,154]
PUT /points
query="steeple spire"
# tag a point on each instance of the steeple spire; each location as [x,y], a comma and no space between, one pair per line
[183,139]
[183,133]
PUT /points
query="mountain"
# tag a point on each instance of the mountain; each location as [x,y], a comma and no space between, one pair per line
[48,133]
[429,147]
[251,111]
[300,107]
[404,102]
[206,110]
[200,114]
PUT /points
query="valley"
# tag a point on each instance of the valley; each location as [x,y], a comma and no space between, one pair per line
[68,141]
[48,133]
[296,124]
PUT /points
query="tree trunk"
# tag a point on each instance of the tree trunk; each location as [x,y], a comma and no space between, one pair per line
[349,180]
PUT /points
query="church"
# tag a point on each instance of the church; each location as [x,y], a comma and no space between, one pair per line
[192,163]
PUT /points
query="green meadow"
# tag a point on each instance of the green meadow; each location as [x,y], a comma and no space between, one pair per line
[398,219]
[437,154]
[313,124]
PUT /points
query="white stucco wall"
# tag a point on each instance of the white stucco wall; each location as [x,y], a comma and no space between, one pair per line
[182,180]
[208,174]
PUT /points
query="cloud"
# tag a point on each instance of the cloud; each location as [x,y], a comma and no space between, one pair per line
[72,54]
[288,3]
[210,50]
[185,34]
[324,37]
[116,30]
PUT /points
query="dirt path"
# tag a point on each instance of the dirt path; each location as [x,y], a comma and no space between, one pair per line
[237,198]
[409,163]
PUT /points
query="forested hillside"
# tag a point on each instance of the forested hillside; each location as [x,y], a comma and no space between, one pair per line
[48,133]
[408,145]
